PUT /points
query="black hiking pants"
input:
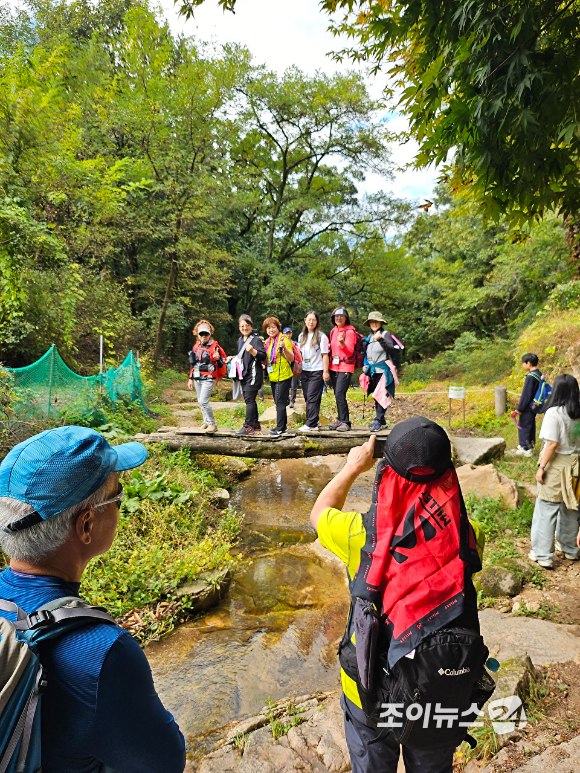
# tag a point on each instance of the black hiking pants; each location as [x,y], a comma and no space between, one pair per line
[383,756]
[340,383]
[527,431]
[312,385]
[250,392]
[281,395]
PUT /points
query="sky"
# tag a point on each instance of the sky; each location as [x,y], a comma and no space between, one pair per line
[281,33]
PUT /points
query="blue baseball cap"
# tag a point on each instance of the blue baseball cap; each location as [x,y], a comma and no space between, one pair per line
[60,467]
[287,330]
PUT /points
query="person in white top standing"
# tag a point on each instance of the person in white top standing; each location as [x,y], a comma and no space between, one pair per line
[556,509]
[315,348]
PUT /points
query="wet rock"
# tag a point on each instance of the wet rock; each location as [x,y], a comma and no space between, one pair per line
[472,450]
[206,590]
[497,581]
[545,642]
[486,481]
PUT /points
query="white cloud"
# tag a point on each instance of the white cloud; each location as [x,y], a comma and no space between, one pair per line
[282,33]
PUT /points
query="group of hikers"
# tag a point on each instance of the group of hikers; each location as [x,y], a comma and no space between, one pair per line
[414,667]
[316,359]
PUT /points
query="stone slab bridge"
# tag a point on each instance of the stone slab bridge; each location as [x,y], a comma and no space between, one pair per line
[296,445]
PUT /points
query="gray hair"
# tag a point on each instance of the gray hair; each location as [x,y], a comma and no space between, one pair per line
[40,540]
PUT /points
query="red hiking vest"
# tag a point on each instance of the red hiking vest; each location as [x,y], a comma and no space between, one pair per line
[419,543]
[215,352]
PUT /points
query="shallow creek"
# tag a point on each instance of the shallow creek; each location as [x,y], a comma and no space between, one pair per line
[276,631]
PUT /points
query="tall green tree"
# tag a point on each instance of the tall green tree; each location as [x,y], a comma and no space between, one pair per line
[489,90]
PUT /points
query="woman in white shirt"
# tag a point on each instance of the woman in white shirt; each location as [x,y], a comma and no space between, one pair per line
[314,346]
[556,510]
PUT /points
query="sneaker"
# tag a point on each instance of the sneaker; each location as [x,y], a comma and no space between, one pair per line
[278,433]
[342,427]
[543,564]
[521,451]
[376,426]
[258,427]
[211,428]
[204,425]
[245,430]
[306,428]
[335,425]
[571,556]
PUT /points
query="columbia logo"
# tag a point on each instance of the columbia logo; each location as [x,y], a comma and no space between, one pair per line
[453,672]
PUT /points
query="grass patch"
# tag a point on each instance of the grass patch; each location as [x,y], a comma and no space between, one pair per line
[169,532]
[494,517]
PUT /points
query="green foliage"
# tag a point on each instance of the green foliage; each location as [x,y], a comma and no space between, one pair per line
[168,533]
[491,86]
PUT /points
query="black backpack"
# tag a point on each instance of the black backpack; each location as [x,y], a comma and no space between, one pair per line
[426,702]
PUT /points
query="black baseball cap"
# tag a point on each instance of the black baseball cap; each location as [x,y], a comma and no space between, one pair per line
[418,450]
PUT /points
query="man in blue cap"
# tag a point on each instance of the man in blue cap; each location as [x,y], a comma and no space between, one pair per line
[59,507]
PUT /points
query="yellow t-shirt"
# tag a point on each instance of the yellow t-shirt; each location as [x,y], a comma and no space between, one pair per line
[344,535]
[281,369]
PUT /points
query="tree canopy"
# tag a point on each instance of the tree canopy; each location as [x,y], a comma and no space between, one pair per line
[489,90]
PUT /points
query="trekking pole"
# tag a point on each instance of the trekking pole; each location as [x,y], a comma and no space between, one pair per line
[364,403]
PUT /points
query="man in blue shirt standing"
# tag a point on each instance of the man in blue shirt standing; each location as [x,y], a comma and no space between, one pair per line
[59,507]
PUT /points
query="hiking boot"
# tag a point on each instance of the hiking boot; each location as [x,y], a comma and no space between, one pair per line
[204,425]
[258,427]
[245,430]
[306,428]
[334,425]
[211,428]
[278,433]
[342,427]
[376,426]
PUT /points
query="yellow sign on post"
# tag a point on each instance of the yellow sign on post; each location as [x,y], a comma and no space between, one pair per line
[456,393]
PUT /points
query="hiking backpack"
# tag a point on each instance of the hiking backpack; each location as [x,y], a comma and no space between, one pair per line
[23,679]
[542,395]
[297,364]
[428,699]
[420,675]
[397,354]
[359,350]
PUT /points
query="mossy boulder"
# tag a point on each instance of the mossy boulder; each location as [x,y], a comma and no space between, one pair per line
[497,581]
[518,566]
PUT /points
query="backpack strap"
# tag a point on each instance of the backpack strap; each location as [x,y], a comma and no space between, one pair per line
[9,606]
[65,608]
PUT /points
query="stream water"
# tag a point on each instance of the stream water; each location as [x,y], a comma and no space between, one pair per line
[276,631]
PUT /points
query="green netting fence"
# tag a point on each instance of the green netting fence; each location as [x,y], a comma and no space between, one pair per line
[49,387]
